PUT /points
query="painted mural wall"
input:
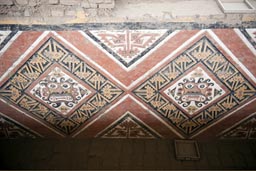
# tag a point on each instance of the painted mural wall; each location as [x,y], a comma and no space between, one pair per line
[128,83]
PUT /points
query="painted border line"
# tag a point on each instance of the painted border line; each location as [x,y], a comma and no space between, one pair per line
[246,41]
[221,119]
[88,58]
[217,39]
[32,118]
[137,62]
[128,25]
[176,51]
[21,125]
[140,104]
[124,115]
[233,126]
[20,59]
[9,43]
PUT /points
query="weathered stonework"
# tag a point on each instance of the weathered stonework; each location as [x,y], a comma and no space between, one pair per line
[4,2]
[22,2]
[111,11]
[49,10]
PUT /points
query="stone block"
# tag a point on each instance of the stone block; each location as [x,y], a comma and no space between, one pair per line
[6,2]
[92,5]
[71,2]
[109,1]
[91,12]
[70,12]
[234,17]
[26,13]
[105,12]
[96,1]
[110,5]
[248,17]
[217,17]
[22,2]
[53,2]
[44,11]
[85,4]
[33,3]
[3,11]
[57,12]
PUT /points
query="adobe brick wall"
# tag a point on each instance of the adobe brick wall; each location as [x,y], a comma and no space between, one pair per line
[53,10]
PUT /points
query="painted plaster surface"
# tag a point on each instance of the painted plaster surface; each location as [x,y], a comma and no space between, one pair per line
[128,83]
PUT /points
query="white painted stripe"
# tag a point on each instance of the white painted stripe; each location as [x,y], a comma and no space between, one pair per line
[140,104]
[103,50]
[88,58]
[30,49]
[153,50]
[166,59]
[99,116]
[235,125]
[157,117]
[10,43]
[130,113]
[246,41]
[21,125]
[32,118]
[4,34]
[215,37]
[211,125]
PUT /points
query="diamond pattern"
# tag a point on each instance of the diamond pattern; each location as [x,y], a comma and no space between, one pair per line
[54,96]
[60,91]
[178,103]
[194,91]
[147,83]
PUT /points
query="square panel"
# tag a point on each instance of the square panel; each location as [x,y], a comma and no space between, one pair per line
[194,91]
[59,91]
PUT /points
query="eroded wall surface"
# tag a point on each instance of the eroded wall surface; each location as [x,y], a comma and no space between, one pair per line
[109,11]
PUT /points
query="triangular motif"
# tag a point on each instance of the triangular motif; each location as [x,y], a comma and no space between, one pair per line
[127,46]
[128,127]
[252,33]
[10,129]
[246,129]
[5,36]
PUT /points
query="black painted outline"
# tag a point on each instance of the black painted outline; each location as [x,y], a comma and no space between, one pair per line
[24,130]
[139,56]
[120,120]
[178,108]
[128,25]
[248,37]
[7,39]
[226,134]
[43,119]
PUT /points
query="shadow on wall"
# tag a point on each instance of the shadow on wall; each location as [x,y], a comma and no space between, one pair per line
[122,154]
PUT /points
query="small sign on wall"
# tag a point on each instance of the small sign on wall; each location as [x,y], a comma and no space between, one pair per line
[186,150]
